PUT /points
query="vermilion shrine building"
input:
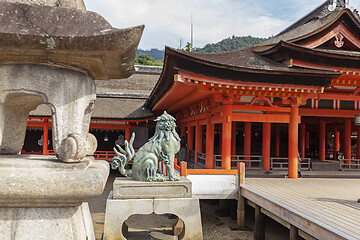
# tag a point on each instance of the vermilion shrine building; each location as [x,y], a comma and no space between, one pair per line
[296,93]
[302,84]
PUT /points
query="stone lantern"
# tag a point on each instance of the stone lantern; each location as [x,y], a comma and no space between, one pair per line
[51,51]
[357,120]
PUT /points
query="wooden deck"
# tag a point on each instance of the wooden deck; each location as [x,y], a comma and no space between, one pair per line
[323,208]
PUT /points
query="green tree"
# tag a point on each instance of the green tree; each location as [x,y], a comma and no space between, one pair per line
[230,44]
[187,47]
[146,59]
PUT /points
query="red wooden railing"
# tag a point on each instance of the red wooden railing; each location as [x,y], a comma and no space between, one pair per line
[98,155]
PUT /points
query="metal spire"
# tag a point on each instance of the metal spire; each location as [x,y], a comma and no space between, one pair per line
[191,34]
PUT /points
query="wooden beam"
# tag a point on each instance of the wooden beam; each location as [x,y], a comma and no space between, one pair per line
[212,172]
[272,118]
[241,211]
[229,85]
[168,93]
[38,124]
[293,233]
[198,117]
[187,100]
[328,113]
[216,120]
[260,108]
[339,96]
[259,231]
[109,126]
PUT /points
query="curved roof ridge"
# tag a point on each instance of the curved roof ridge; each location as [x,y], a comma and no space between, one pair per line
[316,13]
[258,64]
[318,18]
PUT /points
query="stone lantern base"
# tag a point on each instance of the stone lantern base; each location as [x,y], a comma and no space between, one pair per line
[42,198]
[131,197]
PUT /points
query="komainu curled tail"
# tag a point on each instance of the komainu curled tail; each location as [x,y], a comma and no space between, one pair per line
[123,157]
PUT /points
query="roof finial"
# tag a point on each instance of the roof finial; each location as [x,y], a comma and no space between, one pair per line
[338,3]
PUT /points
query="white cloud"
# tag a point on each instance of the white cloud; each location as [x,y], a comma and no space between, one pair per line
[168,21]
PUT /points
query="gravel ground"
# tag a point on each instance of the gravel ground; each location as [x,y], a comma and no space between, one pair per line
[216,223]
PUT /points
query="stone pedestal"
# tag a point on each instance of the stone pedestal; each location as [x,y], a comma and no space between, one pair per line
[42,198]
[131,197]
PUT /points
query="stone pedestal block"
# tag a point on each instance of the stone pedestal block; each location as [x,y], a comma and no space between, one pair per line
[57,223]
[125,188]
[42,198]
[182,204]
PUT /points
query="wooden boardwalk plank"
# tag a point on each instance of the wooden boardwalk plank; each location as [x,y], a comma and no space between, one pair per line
[323,208]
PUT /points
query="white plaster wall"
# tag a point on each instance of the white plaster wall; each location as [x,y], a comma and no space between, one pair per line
[214,186]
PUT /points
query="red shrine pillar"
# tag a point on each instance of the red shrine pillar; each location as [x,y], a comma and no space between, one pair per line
[322,128]
[190,136]
[336,143]
[127,133]
[358,142]
[45,138]
[293,142]
[183,131]
[198,141]
[347,138]
[307,141]
[247,139]
[226,137]
[233,138]
[277,140]
[266,145]
[209,162]
[220,139]
[302,140]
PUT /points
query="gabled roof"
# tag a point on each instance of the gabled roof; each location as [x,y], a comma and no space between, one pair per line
[317,13]
[315,23]
[241,65]
[266,64]
[336,58]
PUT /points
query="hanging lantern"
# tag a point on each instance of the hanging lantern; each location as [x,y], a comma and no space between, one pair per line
[357,120]
[106,139]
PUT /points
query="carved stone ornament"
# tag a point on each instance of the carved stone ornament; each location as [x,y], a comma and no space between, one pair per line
[161,147]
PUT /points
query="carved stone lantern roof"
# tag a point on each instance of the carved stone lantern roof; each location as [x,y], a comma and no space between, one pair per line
[66,37]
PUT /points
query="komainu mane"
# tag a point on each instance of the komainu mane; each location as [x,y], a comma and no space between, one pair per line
[161,147]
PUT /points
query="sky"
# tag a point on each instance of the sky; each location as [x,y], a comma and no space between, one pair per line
[167,22]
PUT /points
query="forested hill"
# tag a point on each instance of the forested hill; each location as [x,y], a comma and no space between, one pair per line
[230,44]
[154,52]
[227,44]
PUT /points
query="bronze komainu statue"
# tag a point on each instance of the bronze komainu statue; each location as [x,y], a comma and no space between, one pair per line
[161,147]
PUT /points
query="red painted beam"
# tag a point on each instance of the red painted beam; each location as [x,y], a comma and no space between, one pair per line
[328,113]
[272,118]
[260,108]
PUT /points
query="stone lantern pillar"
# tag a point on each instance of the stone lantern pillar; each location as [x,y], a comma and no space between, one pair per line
[51,52]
